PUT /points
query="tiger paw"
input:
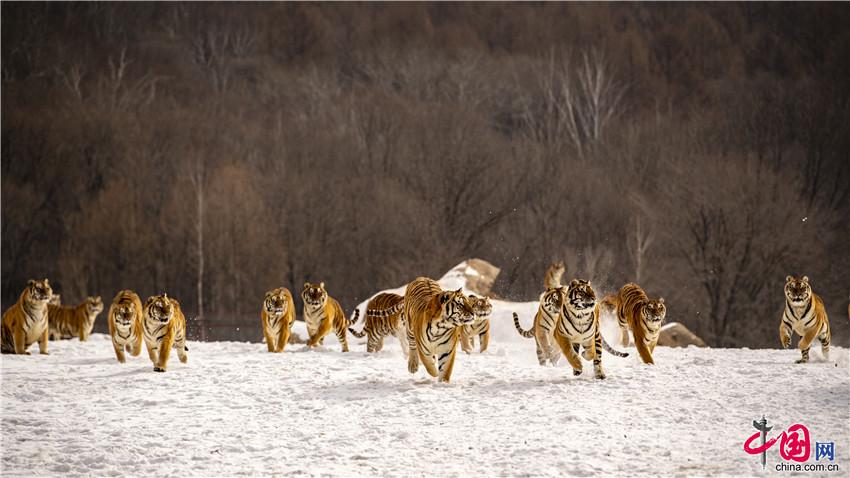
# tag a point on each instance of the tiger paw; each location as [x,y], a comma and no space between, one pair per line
[801,361]
[576,373]
[158,369]
[599,374]
[183,359]
[44,353]
[786,343]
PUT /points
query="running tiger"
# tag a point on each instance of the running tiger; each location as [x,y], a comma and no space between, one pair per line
[480,327]
[277,317]
[125,324]
[805,314]
[579,326]
[25,322]
[553,275]
[640,314]
[322,312]
[383,318]
[545,322]
[66,322]
[434,318]
[164,327]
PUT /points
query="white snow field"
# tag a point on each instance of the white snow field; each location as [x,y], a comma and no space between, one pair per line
[237,410]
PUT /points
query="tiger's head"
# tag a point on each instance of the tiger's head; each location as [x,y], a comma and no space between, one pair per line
[123,315]
[552,300]
[314,295]
[654,311]
[94,305]
[798,292]
[276,302]
[159,308]
[580,296]
[38,291]
[456,308]
[481,307]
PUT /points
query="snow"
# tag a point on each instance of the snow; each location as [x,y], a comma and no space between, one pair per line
[238,410]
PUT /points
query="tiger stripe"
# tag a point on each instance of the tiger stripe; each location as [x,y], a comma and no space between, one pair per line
[804,314]
[164,327]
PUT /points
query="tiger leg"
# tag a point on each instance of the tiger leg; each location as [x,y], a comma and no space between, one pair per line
[19,340]
[805,343]
[137,347]
[784,333]
[484,338]
[402,341]
[181,349]
[596,353]
[380,343]
[570,353]
[119,351]
[542,354]
[643,350]
[824,344]
[151,352]
[544,345]
[413,353]
[372,342]
[341,330]
[164,351]
[446,362]
[82,334]
[283,338]
[466,339]
[270,344]
[42,344]
[624,335]
[318,337]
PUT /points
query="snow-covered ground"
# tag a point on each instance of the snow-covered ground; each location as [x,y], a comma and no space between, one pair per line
[236,409]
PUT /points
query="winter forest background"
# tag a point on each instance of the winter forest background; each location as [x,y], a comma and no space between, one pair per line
[217,151]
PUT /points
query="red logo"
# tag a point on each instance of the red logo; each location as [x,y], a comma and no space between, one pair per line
[794,443]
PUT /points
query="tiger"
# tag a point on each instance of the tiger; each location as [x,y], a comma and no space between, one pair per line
[277,317]
[480,328]
[578,325]
[383,318]
[164,327]
[433,320]
[553,275]
[545,322]
[322,312]
[55,299]
[640,314]
[125,324]
[66,322]
[805,314]
[25,322]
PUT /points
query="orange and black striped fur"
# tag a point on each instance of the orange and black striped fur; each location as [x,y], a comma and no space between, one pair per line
[553,275]
[434,318]
[635,311]
[25,322]
[323,313]
[277,317]
[578,327]
[545,322]
[55,300]
[164,327]
[125,324]
[804,314]
[383,318]
[480,327]
[67,322]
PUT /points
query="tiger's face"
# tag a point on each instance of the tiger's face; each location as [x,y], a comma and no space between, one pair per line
[552,300]
[654,311]
[276,303]
[124,315]
[39,291]
[481,307]
[455,307]
[580,296]
[798,292]
[314,295]
[159,308]
[94,305]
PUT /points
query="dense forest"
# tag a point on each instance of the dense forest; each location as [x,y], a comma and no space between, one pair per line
[215,151]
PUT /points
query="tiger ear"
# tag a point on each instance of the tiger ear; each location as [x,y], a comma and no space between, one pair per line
[588,283]
[661,300]
[321,285]
[30,282]
[788,279]
[46,282]
[306,285]
[472,296]
[806,279]
[444,297]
